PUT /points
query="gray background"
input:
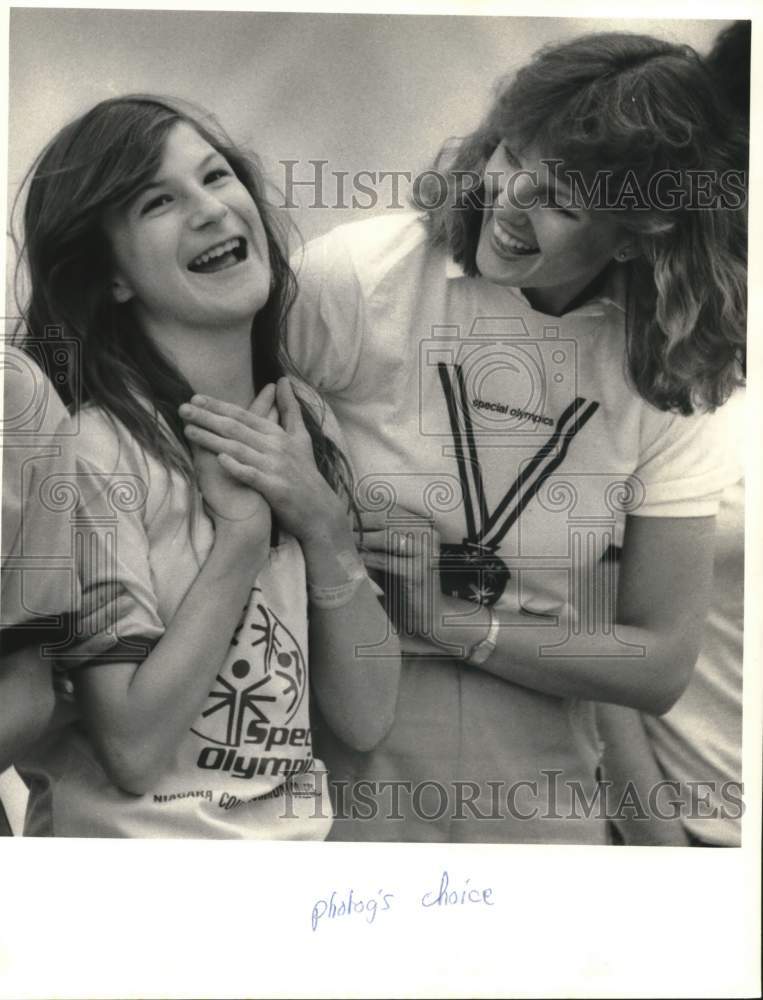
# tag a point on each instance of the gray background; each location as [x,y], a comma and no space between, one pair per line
[361,91]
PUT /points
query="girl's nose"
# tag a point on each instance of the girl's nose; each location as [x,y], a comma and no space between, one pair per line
[207,208]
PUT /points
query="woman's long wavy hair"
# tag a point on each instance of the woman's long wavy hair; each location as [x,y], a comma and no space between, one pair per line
[627,106]
[97,162]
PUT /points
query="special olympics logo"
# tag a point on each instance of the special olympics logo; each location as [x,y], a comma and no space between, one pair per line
[262,683]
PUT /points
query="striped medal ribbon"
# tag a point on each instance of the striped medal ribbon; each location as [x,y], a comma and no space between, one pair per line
[472,570]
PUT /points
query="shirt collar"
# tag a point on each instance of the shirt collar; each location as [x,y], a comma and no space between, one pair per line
[453,269]
[613,294]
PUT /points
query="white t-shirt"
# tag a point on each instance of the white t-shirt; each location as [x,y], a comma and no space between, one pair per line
[39,579]
[700,739]
[519,434]
[245,770]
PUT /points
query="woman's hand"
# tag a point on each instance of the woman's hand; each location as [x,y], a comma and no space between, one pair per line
[274,459]
[230,503]
[405,546]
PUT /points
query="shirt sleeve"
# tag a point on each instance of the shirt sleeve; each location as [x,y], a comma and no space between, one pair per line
[327,321]
[685,463]
[39,586]
[112,480]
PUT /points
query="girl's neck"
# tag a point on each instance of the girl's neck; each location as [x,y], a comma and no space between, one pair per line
[216,364]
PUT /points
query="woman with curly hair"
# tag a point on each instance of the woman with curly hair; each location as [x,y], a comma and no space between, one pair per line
[694,751]
[524,370]
[151,246]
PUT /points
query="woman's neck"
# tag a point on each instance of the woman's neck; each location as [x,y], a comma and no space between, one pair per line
[563,299]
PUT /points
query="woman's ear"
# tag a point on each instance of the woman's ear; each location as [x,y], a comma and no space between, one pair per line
[121,290]
[626,251]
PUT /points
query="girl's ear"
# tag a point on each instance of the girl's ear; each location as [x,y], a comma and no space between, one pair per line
[121,290]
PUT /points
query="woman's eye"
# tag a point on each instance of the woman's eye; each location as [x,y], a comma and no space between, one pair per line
[566,212]
[509,156]
[560,208]
[158,202]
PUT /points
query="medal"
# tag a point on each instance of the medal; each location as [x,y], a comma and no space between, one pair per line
[472,573]
[472,570]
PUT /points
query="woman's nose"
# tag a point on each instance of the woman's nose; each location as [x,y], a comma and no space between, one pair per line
[207,208]
[515,194]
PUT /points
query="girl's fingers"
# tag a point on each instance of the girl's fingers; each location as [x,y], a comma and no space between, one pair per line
[227,419]
[264,401]
[223,445]
[246,474]
[226,427]
[291,414]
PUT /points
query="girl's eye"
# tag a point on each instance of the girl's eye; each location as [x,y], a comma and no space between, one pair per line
[158,202]
[217,174]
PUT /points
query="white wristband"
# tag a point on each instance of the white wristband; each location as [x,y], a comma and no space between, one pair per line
[332,597]
[339,594]
[481,650]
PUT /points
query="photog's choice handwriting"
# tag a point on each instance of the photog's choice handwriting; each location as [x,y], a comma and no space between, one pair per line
[348,904]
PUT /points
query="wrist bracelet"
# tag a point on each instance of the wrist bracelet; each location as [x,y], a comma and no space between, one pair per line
[481,650]
[332,597]
[339,594]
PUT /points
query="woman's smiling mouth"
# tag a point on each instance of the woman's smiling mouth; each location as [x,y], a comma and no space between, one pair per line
[508,245]
[220,256]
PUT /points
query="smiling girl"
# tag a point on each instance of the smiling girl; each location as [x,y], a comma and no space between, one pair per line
[149,240]
[522,372]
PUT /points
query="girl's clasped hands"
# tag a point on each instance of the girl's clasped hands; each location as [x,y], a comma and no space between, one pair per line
[263,453]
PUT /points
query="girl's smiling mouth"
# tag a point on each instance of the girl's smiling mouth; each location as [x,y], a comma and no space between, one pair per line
[221,256]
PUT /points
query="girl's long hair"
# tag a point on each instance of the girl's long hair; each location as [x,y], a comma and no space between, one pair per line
[625,108]
[90,345]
